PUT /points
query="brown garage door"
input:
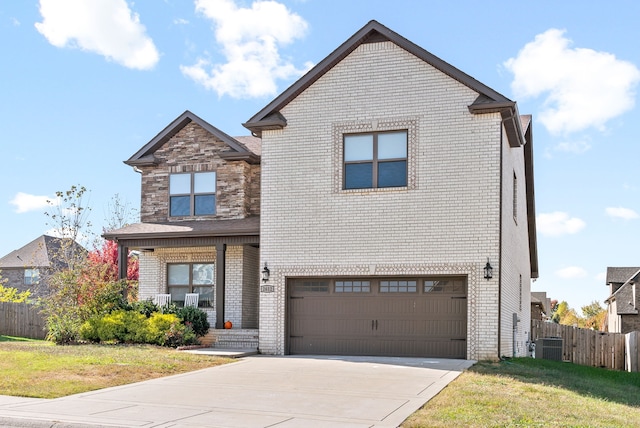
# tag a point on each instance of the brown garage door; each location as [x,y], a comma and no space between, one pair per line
[421,317]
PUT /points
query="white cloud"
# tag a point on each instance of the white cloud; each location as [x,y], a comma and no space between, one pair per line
[558,223]
[25,202]
[571,272]
[106,27]
[583,88]
[575,147]
[250,39]
[620,212]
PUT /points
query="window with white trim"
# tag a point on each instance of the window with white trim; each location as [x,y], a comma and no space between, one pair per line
[183,278]
[31,276]
[375,160]
[192,194]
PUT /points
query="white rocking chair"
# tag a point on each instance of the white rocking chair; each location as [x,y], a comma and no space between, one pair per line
[191,299]
[162,299]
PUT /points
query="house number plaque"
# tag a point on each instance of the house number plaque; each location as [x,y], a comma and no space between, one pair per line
[266,289]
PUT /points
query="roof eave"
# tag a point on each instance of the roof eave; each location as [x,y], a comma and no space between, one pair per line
[249,157]
[271,122]
[168,235]
[510,117]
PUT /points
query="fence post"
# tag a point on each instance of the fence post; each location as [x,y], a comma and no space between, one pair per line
[631,351]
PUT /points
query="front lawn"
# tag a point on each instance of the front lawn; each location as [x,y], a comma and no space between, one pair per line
[35,368]
[527,392]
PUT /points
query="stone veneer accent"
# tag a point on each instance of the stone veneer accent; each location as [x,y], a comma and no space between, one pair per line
[446,221]
[193,149]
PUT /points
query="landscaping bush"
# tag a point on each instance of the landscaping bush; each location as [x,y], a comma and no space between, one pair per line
[195,318]
[118,326]
[131,326]
[145,307]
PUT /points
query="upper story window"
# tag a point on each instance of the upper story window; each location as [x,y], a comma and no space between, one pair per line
[31,276]
[192,194]
[375,160]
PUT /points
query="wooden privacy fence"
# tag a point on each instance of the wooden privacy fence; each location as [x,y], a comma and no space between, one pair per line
[22,320]
[583,346]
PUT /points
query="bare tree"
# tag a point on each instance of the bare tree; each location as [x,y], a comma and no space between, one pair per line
[68,217]
[119,213]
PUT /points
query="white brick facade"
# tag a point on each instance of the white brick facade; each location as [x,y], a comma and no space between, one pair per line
[446,221]
[241,281]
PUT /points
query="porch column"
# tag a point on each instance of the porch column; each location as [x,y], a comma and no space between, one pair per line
[123,258]
[220,285]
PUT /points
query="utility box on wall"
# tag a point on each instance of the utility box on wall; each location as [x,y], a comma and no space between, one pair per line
[549,348]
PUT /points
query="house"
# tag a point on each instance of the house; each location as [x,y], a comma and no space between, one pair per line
[200,220]
[540,306]
[29,267]
[623,301]
[387,198]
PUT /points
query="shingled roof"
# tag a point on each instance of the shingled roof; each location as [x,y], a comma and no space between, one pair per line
[488,101]
[39,253]
[247,149]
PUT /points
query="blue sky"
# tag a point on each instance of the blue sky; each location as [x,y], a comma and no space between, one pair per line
[85,84]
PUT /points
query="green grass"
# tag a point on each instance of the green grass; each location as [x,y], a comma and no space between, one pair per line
[528,392]
[15,339]
[35,368]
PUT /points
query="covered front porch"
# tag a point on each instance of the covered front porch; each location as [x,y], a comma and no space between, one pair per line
[217,260]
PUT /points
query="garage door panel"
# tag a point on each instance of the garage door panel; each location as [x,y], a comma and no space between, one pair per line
[401,323]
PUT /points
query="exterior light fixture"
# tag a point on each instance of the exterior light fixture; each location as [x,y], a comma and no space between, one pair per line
[488,270]
[265,273]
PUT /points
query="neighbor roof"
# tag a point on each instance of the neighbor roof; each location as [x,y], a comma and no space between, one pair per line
[248,149]
[39,253]
[488,100]
[620,274]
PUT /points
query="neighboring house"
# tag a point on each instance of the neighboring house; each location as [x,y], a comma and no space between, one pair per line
[623,301]
[29,267]
[540,306]
[390,205]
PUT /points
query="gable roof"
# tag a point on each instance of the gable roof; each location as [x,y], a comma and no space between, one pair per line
[39,253]
[488,101]
[240,151]
[621,274]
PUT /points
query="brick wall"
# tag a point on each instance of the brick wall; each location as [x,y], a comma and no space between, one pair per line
[446,221]
[515,270]
[193,149]
[15,279]
[153,276]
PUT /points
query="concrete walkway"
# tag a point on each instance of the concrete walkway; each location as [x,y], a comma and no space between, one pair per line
[257,391]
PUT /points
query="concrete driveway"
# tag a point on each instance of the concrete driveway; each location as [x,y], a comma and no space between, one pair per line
[257,391]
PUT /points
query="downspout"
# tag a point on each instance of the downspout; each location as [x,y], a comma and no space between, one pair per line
[500,240]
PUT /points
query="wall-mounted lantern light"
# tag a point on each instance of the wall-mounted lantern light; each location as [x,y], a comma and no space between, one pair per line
[488,270]
[265,273]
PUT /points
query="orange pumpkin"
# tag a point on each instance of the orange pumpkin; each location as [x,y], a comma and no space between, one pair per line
[228,325]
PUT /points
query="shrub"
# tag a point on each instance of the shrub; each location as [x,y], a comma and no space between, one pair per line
[179,335]
[145,307]
[118,326]
[195,318]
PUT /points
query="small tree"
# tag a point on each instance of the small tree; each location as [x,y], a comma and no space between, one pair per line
[119,213]
[11,294]
[594,315]
[68,216]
